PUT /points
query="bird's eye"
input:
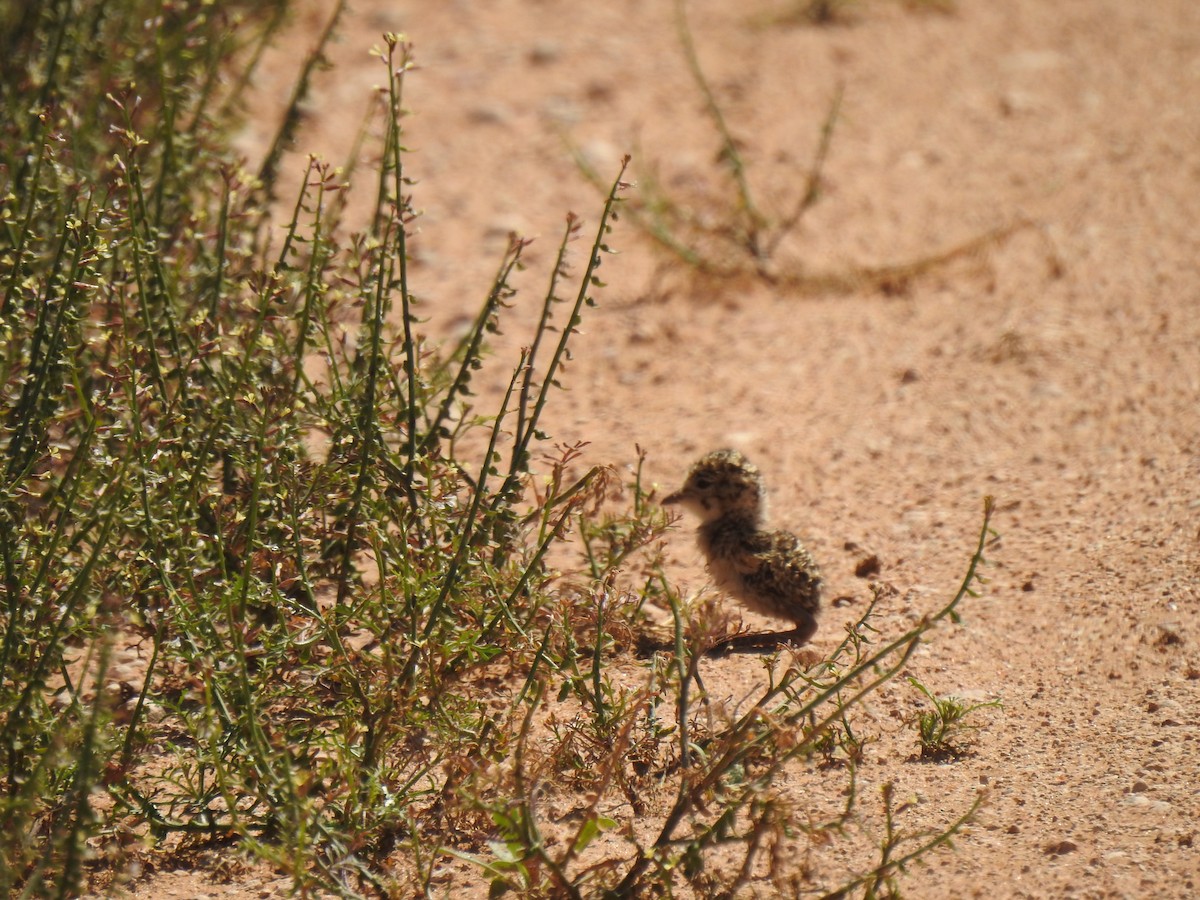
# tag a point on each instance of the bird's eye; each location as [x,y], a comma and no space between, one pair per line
[703,482]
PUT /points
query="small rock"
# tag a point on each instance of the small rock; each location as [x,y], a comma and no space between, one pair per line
[128,673]
[602,156]
[868,567]
[1139,786]
[1143,802]
[562,111]
[490,114]
[1168,706]
[545,52]
[1061,848]
[1013,103]
[1169,635]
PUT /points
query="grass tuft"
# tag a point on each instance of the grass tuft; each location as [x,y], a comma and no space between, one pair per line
[940,728]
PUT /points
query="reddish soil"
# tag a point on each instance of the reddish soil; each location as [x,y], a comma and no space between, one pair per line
[1058,369]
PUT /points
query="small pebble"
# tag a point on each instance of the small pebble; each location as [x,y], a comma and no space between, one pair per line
[545,52]
[868,567]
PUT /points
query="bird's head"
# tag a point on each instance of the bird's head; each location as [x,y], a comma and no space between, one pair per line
[721,483]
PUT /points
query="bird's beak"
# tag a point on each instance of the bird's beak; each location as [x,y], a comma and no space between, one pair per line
[676,497]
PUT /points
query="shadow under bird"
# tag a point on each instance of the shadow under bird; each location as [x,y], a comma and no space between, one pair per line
[768,571]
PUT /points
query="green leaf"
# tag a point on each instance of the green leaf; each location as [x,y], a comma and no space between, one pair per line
[592,828]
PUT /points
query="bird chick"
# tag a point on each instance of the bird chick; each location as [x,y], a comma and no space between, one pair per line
[770,572]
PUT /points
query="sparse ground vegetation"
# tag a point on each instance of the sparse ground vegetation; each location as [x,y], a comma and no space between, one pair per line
[332,559]
[230,444]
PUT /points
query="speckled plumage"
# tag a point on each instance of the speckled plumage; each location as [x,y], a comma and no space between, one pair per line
[769,571]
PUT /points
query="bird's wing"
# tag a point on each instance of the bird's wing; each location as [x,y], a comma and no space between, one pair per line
[758,549]
[789,560]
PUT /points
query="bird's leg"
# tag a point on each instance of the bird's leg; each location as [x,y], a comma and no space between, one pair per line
[767,640]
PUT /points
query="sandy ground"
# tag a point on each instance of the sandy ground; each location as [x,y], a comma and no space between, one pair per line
[1059,371]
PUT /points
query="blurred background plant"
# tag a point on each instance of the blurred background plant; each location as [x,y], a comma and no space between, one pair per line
[734,232]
